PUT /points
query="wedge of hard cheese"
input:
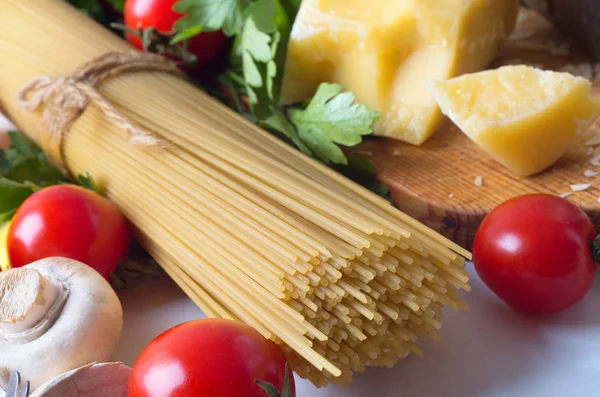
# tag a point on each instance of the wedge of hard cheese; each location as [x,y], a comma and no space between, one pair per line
[524,117]
[385,50]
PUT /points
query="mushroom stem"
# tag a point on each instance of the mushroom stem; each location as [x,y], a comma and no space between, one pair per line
[30,304]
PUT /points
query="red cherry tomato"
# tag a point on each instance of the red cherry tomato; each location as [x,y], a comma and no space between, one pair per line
[160,14]
[534,252]
[71,222]
[209,357]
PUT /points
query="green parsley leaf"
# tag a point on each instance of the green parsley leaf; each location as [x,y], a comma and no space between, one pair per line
[262,47]
[22,145]
[34,170]
[12,194]
[256,48]
[118,5]
[5,164]
[209,15]
[258,68]
[332,118]
[279,123]
[186,34]
[24,169]
[88,182]
[263,13]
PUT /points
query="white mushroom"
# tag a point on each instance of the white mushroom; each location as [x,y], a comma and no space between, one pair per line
[56,314]
[92,380]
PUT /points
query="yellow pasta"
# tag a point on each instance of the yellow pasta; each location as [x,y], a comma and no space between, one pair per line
[248,227]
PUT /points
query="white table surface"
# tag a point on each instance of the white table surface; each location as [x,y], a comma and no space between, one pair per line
[488,351]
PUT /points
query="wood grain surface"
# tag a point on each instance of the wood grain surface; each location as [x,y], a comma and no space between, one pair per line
[435,182]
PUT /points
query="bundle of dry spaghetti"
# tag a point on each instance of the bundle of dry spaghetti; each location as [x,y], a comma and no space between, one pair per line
[248,227]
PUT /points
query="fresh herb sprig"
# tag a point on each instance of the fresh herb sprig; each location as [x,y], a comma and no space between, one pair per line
[24,169]
[260,29]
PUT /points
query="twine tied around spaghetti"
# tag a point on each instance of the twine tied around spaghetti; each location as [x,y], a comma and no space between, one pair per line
[65,98]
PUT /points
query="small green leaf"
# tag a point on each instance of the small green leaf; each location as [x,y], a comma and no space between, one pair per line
[186,34]
[256,42]
[5,164]
[87,182]
[378,188]
[12,195]
[118,5]
[210,15]
[7,216]
[34,170]
[22,144]
[361,168]
[332,118]
[24,170]
[251,73]
[260,50]
[279,123]
[263,14]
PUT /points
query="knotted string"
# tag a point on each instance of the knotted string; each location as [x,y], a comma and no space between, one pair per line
[64,99]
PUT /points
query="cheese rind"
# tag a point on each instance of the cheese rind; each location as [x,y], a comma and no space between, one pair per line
[385,51]
[523,117]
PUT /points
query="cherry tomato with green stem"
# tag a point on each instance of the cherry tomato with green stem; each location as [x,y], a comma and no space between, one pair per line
[159,14]
[536,253]
[209,357]
[72,222]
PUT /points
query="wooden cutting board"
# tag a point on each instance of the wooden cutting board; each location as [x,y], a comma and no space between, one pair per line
[435,182]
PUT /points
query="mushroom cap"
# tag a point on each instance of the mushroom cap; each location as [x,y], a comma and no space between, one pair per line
[86,330]
[92,380]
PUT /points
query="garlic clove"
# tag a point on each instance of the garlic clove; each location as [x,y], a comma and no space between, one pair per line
[92,380]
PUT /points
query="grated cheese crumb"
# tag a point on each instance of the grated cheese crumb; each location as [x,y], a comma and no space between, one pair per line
[564,195]
[590,151]
[451,195]
[397,153]
[595,161]
[590,173]
[478,180]
[580,187]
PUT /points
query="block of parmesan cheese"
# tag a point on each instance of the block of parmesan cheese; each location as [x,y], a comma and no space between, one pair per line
[385,50]
[525,118]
